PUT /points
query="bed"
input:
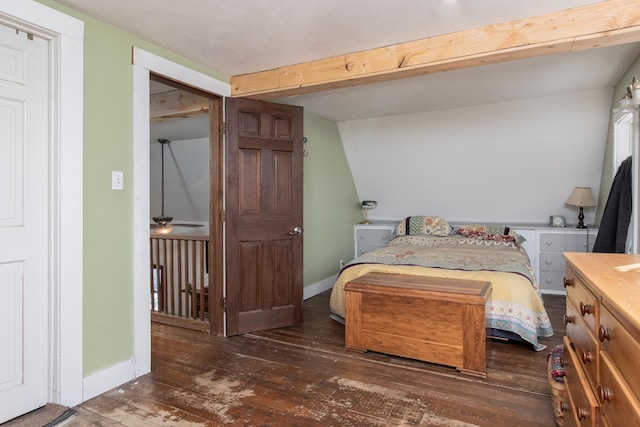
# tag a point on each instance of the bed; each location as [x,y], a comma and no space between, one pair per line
[429,246]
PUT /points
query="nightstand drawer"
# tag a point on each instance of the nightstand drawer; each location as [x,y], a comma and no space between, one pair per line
[373,237]
[552,261]
[363,249]
[553,242]
[552,280]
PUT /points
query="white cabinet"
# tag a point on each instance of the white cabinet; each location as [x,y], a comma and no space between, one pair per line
[545,246]
[551,244]
[372,236]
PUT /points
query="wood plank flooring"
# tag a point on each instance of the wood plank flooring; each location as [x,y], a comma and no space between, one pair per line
[303,376]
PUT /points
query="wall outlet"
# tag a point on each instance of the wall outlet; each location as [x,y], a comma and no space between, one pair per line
[117,178]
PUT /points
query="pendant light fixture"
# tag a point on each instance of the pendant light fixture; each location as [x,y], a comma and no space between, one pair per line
[163,220]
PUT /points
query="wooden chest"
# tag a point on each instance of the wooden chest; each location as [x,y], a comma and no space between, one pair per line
[433,319]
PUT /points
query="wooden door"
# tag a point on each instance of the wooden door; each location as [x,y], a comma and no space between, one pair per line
[24,229]
[264,215]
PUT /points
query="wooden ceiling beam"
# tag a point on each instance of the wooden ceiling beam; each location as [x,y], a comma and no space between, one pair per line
[176,104]
[607,23]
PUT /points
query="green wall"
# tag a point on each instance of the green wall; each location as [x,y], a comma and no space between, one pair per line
[607,165]
[107,214]
[331,205]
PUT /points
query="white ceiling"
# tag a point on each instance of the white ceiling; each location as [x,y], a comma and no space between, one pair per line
[244,36]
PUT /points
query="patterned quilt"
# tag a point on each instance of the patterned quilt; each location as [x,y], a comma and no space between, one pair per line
[515,305]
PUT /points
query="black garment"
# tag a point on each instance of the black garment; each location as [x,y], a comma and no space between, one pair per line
[612,235]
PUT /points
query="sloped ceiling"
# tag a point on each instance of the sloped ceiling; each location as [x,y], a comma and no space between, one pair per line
[245,36]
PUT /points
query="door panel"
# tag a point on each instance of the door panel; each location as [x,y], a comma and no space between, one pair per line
[24,237]
[264,205]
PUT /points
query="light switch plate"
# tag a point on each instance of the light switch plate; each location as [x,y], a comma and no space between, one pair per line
[117,178]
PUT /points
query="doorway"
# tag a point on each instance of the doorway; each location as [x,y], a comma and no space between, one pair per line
[185,205]
[144,65]
[281,160]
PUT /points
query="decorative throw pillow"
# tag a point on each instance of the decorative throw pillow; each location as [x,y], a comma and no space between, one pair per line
[490,232]
[420,225]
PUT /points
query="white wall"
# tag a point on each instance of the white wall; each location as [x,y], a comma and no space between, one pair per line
[186,181]
[514,161]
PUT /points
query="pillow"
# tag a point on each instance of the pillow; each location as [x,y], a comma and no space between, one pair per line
[490,232]
[419,225]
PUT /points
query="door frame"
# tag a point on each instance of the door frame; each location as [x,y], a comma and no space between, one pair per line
[65,35]
[145,63]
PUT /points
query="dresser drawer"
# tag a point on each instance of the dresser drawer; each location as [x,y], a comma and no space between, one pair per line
[587,304]
[618,406]
[552,261]
[584,409]
[373,237]
[554,242]
[621,348]
[585,345]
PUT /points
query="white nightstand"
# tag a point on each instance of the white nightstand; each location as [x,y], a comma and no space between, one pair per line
[372,236]
[551,244]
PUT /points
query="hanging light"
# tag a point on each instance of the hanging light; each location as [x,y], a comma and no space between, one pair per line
[163,220]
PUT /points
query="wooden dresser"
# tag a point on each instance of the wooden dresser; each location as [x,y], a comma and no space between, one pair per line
[602,345]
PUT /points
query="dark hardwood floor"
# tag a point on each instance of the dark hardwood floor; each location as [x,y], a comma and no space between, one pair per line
[303,376]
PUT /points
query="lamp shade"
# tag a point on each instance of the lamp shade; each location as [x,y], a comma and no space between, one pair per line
[581,197]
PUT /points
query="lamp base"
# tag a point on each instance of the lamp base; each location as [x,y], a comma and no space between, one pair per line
[581,219]
[366,221]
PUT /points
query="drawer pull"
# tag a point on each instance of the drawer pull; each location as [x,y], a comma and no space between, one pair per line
[548,261]
[585,309]
[548,243]
[586,357]
[604,393]
[603,333]
[581,413]
[568,319]
[567,281]
[562,407]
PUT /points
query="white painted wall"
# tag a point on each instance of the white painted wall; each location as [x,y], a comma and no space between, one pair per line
[511,162]
[186,181]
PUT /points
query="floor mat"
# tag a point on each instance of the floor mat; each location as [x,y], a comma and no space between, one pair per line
[47,416]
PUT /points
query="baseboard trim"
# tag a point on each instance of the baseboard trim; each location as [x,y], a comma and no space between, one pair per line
[120,373]
[106,379]
[319,287]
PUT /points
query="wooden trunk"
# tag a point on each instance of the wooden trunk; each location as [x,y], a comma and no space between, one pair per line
[433,319]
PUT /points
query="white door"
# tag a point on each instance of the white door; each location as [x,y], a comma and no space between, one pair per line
[24,229]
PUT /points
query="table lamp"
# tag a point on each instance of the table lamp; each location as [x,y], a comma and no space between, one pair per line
[366,205]
[581,197]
